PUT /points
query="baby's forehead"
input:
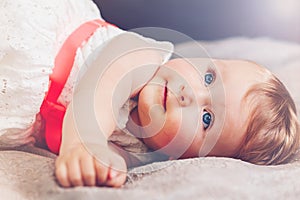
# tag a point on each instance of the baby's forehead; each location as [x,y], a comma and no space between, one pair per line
[247,67]
[254,65]
[214,62]
[222,67]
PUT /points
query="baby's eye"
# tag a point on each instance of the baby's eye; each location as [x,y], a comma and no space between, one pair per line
[209,78]
[206,119]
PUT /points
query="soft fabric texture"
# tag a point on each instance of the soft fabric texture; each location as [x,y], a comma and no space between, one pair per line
[30,175]
[31,33]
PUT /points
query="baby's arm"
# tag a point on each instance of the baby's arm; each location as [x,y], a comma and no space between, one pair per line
[75,166]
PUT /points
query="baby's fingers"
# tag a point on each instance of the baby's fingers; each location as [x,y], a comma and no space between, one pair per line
[117,173]
[101,169]
[88,171]
[61,173]
[74,171]
[116,178]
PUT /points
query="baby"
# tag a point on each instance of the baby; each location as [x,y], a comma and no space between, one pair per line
[182,108]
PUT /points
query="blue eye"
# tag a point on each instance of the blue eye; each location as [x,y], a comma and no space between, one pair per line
[206,119]
[208,78]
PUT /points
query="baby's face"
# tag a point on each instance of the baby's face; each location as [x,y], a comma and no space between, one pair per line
[195,107]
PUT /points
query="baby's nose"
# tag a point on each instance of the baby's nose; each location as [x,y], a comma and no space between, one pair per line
[187,96]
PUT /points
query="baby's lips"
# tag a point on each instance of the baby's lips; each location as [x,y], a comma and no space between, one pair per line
[165,97]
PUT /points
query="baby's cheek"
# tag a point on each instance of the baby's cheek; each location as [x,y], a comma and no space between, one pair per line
[170,130]
[160,138]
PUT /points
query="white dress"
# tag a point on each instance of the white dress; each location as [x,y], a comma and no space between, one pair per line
[31,34]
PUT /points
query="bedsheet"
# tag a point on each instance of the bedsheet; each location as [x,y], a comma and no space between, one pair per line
[27,172]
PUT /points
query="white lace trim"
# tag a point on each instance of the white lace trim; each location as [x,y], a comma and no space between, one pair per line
[31,32]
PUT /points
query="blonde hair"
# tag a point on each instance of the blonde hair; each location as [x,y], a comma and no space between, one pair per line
[272,134]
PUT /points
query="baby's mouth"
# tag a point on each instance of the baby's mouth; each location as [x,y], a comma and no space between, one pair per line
[165,96]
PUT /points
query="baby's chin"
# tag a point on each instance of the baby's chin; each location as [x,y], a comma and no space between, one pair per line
[151,99]
[151,115]
[152,118]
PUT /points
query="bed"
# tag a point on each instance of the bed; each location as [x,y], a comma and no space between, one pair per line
[27,172]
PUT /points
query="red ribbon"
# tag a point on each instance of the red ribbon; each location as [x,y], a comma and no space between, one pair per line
[52,111]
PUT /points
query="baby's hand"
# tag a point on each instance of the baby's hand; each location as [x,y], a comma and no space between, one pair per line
[78,167]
